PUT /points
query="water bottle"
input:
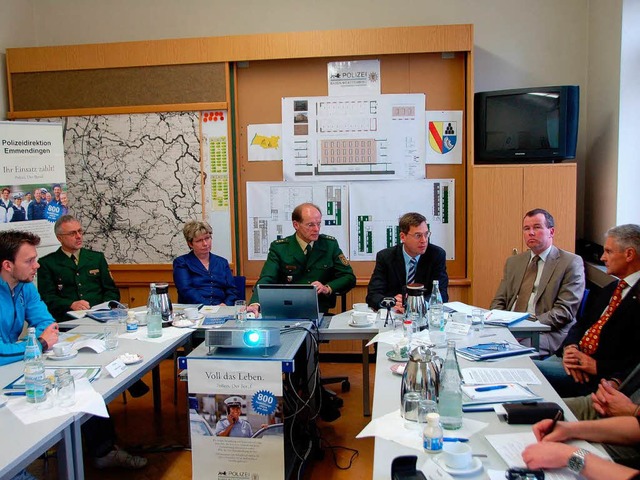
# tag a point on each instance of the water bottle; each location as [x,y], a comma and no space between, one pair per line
[432,435]
[154,314]
[35,388]
[450,399]
[436,316]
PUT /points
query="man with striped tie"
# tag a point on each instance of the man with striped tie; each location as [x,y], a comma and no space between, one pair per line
[603,344]
[413,260]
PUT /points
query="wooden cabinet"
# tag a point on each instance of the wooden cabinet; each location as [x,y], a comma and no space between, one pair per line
[502,194]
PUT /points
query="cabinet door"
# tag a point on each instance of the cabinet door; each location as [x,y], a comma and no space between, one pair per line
[497,226]
[553,187]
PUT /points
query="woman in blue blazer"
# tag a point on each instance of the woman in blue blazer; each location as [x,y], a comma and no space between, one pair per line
[200,276]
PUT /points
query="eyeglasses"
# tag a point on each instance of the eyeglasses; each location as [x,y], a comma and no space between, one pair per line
[311,225]
[419,235]
[72,233]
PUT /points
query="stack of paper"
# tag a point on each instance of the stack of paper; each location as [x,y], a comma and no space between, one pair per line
[488,351]
[504,318]
[484,397]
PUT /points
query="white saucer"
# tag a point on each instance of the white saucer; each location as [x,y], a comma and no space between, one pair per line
[391,355]
[130,361]
[476,466]
[72,354]
[361,325]
[197,319]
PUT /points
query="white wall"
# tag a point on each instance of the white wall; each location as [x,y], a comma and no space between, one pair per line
[517,42]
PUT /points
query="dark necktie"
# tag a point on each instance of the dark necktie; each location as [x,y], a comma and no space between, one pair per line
[591,338]
[74,258]
[526,287]
[411,274]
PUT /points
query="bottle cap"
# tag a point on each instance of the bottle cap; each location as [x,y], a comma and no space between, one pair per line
[433,417]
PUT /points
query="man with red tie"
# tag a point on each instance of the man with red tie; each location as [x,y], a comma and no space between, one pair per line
[604,344]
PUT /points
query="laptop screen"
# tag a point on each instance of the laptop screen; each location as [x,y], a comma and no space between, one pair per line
[282,301]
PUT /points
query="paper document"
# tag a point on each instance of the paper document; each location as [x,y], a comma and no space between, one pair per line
[460,307]
[481,376]
[491,350]
[499,393]
[504,318]
[511,445]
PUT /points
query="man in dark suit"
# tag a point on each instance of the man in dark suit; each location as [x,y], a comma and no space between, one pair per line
[393,270]
[603,344]
[555,288]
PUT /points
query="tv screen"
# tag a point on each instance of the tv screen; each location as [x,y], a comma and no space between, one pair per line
[524,125]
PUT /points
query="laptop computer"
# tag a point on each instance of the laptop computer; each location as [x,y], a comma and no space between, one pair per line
[289,301]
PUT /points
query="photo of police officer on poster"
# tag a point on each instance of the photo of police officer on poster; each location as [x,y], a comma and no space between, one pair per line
[236,419]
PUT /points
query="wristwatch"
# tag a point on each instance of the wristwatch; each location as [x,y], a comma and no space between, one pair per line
[576,460]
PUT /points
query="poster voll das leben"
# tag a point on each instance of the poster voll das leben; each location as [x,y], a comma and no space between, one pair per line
[236,419]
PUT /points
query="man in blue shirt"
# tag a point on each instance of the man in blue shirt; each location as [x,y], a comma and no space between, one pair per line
[233,425]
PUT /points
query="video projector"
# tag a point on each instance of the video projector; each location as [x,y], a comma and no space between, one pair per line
[236,337]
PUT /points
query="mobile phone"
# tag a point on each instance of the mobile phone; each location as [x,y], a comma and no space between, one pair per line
[515,473]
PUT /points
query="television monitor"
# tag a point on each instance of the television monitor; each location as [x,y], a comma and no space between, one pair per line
[535,124]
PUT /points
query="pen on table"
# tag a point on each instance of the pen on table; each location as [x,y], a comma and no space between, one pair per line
[455,439]
[14,394]
[490,388]
[488,335]
[488,316]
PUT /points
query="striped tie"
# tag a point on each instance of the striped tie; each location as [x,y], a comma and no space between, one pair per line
[411,274]
[591,338]
[526,288]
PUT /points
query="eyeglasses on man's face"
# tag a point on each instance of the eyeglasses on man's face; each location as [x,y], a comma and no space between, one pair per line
[72,233]
[312,224]
[419,235]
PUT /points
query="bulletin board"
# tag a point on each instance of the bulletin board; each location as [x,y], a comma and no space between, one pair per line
[260,86]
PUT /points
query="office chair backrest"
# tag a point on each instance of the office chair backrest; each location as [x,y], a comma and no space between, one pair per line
[241,284]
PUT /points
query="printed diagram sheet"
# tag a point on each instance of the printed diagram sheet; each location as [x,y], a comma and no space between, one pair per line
[374,216]
[269,207]
[377,137]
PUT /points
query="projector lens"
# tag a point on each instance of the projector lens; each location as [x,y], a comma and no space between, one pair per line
[251,338]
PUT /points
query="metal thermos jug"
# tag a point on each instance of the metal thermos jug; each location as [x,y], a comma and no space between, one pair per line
[162,289]
[415,303]
[422,375]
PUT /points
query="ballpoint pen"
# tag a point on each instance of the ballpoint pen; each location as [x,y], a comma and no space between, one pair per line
[490,388]
[14,394]
[555,421]
[455,439]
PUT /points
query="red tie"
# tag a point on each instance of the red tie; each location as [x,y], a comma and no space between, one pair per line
[589,342]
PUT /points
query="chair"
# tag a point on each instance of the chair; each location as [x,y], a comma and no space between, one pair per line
[344,381]
[241,286]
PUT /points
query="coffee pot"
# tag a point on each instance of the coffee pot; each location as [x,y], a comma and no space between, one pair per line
[415,304]
[162,289]
[422,374]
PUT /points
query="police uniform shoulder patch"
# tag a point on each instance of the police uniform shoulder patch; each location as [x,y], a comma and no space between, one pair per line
[328,237]
[343,259]
[281,240]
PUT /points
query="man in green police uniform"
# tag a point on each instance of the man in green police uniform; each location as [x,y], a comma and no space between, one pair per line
[72,277]
[308,257]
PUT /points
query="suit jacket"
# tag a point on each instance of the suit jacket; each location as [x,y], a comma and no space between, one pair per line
[61,282]
[618,351]
[197,284]
[389,276]
[287,263]
[558,297]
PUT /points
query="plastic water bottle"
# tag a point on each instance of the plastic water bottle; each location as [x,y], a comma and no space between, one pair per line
[154,314]
[432,434]
[35,388]
[436,315]
[450,398]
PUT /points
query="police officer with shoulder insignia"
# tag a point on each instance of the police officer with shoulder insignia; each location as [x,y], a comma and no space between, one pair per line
[308,257]
[233,425]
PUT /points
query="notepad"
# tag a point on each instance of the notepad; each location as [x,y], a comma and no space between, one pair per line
[512,392]
[504,318]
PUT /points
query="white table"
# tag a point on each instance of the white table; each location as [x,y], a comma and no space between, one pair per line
[21,444]
[387,399]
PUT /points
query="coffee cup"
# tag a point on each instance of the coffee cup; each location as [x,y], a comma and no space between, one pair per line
[61,349]
[457,455]
[460,317]
[142,318]
[191,313]
[360,318]
[360,307]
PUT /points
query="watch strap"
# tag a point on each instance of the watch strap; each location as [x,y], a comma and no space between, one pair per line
[577,460]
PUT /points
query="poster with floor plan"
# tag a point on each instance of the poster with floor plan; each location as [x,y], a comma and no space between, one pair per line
[269,207]
[377,137]
[373,219]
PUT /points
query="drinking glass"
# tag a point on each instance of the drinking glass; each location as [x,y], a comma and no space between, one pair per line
[241,312]
[425,407]
[111,334]
[43,394]
[65,387]
[410,403]
[478,319]
[121,313]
